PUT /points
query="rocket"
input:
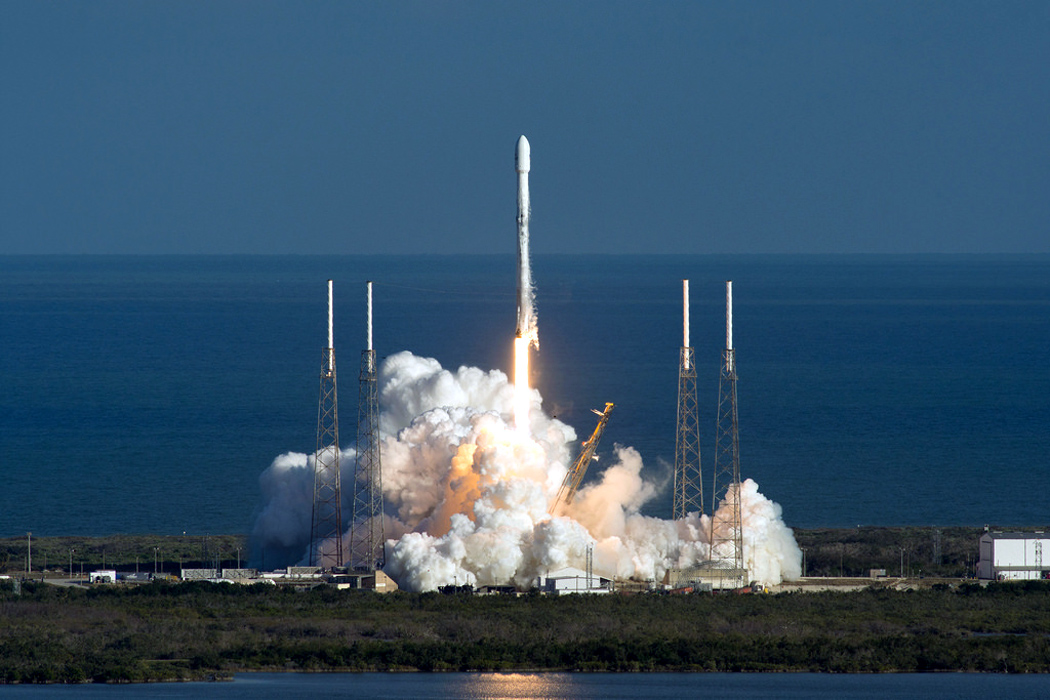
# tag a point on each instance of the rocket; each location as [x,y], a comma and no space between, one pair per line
[526,316]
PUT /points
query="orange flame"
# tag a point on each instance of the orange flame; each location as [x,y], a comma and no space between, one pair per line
[521,385]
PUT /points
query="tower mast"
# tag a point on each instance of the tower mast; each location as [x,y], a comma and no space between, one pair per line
[727,536]
[367,543]
[688,486]
[574,477]
[326,531]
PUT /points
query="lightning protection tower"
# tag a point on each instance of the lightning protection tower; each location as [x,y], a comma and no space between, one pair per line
[727,536]
[326,531]
[366,532]
[688,486]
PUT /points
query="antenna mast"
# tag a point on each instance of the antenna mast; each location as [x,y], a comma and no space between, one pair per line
[688,486]
[326,531]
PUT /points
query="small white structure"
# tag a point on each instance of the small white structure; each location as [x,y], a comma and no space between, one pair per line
[377,581]
[1014,556]
[304,572]
[572,580]
[103,576]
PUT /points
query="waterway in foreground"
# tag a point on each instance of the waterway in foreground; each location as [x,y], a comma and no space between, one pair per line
[567,686]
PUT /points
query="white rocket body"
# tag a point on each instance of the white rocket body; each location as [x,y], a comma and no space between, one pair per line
[526,316]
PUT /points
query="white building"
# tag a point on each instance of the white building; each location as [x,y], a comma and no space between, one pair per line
[103,576]
[571,580]
[377,581]
[1014,556]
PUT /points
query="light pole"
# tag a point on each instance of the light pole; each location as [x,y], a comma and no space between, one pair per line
[29,554]
[803,562]
[71,550]
[902,561]
[155,561]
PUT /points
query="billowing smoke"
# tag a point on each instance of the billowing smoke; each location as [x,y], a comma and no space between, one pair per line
[467,495]
[282,526]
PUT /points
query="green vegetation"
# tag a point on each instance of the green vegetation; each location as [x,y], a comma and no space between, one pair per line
[945,552]
[124,552]
[166,631]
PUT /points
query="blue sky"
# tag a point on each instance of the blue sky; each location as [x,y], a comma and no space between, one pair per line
[664,127]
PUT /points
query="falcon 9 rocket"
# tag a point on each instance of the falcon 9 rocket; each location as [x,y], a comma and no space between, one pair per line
[526,333]
[526,315]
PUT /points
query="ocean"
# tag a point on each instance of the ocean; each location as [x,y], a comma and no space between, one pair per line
[147,394]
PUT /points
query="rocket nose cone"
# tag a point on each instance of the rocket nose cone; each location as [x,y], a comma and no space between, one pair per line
[521,155]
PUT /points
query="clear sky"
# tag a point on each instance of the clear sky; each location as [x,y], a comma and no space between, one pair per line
[389,127]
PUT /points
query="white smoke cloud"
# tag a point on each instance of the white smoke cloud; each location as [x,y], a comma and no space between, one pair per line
[282,526]
[770,551]
[467,495]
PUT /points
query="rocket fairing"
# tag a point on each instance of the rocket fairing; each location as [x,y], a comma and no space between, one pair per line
[526,316]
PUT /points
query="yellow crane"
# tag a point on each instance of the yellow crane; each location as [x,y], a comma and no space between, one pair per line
[572,480]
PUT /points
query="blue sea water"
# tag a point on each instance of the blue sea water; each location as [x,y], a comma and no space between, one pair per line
[147,394]
[566,686]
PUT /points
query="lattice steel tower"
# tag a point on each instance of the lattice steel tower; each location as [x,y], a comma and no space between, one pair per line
[367,543]
[326,530]
[727,534]
[688,486]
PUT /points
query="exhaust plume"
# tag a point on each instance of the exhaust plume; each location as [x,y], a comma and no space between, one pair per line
[467,495]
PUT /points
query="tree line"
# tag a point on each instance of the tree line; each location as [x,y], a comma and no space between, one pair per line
[166,631]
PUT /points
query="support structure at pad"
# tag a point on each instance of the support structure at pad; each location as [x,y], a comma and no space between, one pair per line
[575,475]
[688,482]
[367,542]
[326,529]
[727,533]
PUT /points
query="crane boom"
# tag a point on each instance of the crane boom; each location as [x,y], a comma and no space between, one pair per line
[572,480]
